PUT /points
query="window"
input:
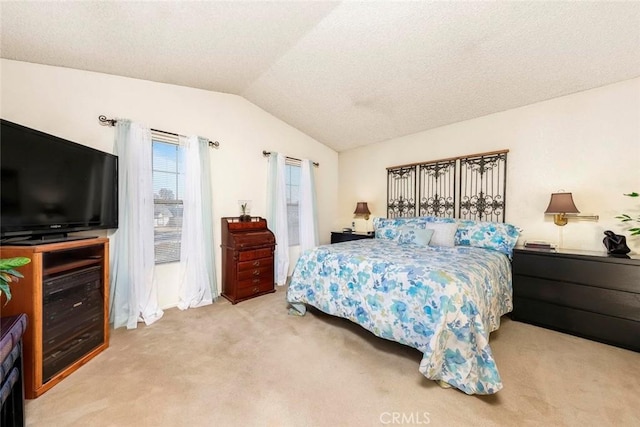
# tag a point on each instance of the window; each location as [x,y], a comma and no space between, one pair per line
[292,178]
[168,190]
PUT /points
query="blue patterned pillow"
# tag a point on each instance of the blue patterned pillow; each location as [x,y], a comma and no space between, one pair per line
[388,228]
[385,228]
[437,219]
[499,236]
[414,236]
[390,233]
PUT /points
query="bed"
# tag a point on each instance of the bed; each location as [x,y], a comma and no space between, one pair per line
[438,285]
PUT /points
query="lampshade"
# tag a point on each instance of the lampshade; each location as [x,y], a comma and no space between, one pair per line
[362,210]
[561,203]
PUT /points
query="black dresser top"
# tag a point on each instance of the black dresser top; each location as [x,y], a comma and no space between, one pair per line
[631,258]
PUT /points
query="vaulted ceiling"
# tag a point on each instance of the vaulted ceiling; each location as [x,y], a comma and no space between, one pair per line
[346,73]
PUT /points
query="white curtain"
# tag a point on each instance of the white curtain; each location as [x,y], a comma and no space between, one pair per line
[307,214]
[133,291]
[277,215]
[197,272]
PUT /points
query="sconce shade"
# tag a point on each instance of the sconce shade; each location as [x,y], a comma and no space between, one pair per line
[561,203]
[362,210]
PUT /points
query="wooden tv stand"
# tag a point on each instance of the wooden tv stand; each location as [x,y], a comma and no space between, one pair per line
[65,294]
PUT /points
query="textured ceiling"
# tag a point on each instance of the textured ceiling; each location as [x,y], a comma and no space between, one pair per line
[346,73]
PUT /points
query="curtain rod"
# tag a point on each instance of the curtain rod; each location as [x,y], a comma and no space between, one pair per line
[112,122]
[268,153]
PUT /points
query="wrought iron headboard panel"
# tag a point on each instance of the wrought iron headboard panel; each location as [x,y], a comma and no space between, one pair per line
[483,181]
[468,187]
[436,188]
[401,191]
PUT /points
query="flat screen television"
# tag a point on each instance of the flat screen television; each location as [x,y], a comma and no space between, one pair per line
[50,187]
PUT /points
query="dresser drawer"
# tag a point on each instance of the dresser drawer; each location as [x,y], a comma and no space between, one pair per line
[252,239]
[598,300]
[248,291]
[610,330]
[608,275]
[255,254]
[256,281]
[256,263]
[266,271]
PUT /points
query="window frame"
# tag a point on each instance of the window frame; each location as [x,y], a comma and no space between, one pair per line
[293,231]
[167,138]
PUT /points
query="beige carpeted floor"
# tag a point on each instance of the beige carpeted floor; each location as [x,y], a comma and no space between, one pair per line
[252,364]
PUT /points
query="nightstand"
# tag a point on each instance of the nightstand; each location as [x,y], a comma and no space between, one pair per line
[339,236]
[588,294]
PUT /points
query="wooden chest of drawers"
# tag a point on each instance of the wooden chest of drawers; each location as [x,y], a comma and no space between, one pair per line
[247,258]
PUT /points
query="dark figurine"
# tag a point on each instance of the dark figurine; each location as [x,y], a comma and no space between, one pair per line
[615,244]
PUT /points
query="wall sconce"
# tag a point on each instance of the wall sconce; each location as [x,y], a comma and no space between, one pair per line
[562,204]
[362,210]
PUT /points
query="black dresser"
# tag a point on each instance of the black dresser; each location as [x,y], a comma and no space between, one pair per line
[588,294]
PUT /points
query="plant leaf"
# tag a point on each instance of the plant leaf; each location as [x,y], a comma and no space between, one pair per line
[15,273]
[8,263]
[8,273]
[5,290]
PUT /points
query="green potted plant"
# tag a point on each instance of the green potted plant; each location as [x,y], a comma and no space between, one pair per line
[9,274]
[635,231]
[245,209]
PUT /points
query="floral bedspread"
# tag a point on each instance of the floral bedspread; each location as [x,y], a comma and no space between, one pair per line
[443,301]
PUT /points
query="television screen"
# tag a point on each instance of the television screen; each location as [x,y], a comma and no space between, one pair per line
[51,185]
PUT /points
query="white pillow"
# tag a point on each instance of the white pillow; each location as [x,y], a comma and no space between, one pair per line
[444,233]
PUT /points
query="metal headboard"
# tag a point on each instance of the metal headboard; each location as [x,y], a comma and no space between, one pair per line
[466,187]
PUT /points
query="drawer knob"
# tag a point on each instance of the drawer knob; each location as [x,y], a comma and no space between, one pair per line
[255,289]
[256,272]
[256,280]
[256,263]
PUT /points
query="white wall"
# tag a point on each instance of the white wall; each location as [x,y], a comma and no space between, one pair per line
[67,103]
[587,143]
